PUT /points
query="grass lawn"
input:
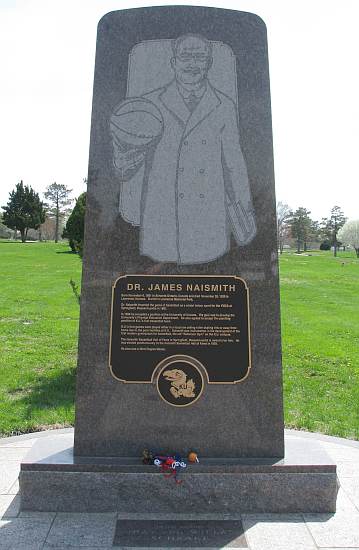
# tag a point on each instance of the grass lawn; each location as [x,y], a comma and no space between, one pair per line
[38,335]
[39,323]
[320,334]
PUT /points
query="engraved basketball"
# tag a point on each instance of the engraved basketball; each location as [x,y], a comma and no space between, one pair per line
[136,122]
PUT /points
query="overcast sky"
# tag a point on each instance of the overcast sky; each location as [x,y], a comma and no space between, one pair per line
[47,51]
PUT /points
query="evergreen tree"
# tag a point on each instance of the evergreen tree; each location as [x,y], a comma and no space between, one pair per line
[74,229]
[330,226]
[58,197]
[300,225]
[313,233]
[24,210]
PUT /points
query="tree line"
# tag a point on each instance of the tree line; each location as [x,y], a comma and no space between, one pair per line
[331,232]
[25,210]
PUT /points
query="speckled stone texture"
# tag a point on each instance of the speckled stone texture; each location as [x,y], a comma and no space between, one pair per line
[116,419]
[180,534]
[141,492]
[52,479]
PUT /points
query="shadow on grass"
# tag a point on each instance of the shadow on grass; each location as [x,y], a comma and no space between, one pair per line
[65,252]
[48,394]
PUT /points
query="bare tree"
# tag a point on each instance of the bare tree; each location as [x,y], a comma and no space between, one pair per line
[58,197]
[283,215]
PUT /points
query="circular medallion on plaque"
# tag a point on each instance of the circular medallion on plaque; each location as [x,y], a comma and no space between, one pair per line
[180,381]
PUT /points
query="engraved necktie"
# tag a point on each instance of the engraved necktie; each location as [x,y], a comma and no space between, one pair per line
[192,102]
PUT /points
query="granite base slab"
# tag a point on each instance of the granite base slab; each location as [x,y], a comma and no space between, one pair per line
[179,534]
[52,479]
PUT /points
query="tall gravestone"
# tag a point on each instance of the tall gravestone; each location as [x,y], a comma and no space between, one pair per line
[179,344]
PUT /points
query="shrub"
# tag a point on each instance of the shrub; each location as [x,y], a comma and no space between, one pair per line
[74,229]
[325,245]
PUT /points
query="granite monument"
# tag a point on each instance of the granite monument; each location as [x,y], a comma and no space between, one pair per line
[179,345]
[180,191]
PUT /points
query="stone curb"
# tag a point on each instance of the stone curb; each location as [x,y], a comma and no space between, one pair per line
[35,435]
[323,437]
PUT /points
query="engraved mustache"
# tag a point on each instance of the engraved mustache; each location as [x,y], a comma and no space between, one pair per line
[191,71]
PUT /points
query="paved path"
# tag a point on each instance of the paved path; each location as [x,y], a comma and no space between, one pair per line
[35,530]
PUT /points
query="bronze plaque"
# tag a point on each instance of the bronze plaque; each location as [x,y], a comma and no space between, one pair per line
[180,330]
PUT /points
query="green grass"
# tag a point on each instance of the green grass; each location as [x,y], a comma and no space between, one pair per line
[39,324]
[320,334]
[38,335]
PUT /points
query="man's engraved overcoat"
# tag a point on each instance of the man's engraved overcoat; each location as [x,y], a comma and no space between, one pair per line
[193,191]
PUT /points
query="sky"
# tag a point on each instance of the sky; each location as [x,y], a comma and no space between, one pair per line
[47,52]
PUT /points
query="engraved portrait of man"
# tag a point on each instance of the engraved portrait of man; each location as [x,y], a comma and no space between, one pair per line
[178,156]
